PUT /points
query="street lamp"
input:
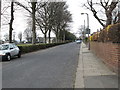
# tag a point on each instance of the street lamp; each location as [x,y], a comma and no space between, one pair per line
[87,29]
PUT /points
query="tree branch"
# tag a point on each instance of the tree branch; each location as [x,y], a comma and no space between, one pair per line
[26,8]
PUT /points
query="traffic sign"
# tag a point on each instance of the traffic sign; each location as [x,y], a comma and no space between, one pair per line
[87,31]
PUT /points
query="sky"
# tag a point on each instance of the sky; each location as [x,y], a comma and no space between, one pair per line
[74,6]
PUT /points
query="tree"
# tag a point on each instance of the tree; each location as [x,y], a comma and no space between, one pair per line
[6,37]
[106,5]
[11,22]
[42,19]
[61,19]
[66,19]
[7,13]
[32,13]
[20,36]
[32,10]
[48,16]
[69,36]
[51,19]
[33,22]
[52,14]
[28,34]
[45,18]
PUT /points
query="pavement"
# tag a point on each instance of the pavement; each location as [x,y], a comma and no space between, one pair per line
[92,72]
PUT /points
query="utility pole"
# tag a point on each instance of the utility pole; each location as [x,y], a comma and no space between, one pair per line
[84,31]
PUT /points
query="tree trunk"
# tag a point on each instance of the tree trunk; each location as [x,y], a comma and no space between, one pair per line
[20,40]
[64,36]
[49,36]
[57,37]
[118,14]
[109,18]
[11,22]
[33,22]
[45,38]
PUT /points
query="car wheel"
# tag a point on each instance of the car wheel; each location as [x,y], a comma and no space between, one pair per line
[19,55]
[8,57]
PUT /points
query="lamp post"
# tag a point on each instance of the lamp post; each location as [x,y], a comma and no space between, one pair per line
[87,29]
[84,31]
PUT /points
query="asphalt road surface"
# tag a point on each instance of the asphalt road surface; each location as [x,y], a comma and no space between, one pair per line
[50,68]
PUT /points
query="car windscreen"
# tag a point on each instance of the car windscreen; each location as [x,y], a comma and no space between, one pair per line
[4,47]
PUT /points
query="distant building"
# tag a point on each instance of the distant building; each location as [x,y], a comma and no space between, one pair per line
[41,40]
[29,40]
[1,42]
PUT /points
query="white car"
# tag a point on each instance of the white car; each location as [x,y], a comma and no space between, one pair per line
[9,50]
[78,41]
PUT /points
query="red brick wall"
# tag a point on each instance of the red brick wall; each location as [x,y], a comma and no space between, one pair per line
[109,52]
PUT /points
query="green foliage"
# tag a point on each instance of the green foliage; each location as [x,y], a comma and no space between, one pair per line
[69,36]
[86,39]
[66,35]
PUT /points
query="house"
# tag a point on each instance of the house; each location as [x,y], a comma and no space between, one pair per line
[1,42]
[41,40]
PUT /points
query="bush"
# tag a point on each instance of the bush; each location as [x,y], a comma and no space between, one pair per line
[95,36]
[110,34]
[102,35]
[25,48]
[114,33]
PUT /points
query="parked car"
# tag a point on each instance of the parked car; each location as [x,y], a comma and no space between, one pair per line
[9,50]
[78,41]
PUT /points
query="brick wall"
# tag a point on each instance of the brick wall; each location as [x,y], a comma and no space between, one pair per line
[108,52]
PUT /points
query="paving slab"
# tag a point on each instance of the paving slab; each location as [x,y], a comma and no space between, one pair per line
[104,81]
[93,73]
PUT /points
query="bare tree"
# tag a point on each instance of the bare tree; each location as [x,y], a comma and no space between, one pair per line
[20,36]
[61,19]
[6,37]
[7,13]
[32,10]
[108,7]
[28,34]
[42,19]
[11,22]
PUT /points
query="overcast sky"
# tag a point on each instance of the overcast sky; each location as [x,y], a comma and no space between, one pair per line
[75,7]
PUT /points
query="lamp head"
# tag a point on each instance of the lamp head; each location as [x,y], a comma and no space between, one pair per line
[82,13]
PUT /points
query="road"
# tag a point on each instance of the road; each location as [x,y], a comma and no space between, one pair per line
[50,68]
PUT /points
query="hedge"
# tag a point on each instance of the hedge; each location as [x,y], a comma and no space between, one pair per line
[26,48]
[110,34]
